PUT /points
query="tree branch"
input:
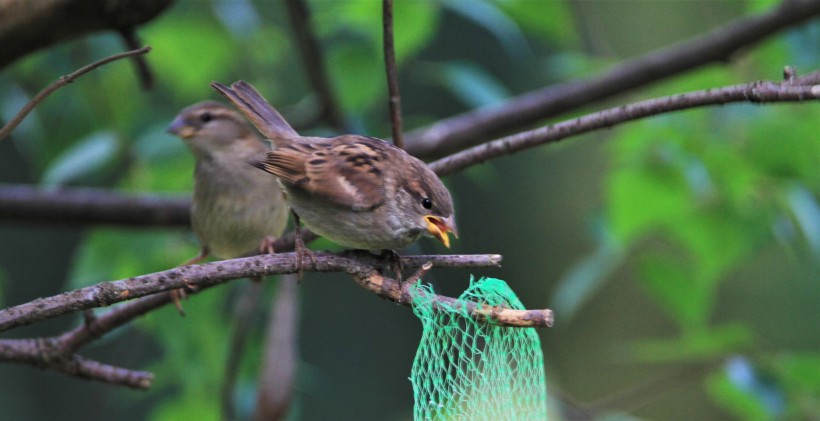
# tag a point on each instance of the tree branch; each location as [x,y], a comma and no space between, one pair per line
[84,206]
[27,26]
[797,89]
[314,63]
[198,276]
[59,352]
[281,356]
[62,81]
[45,353]
[477,126]
[392,77]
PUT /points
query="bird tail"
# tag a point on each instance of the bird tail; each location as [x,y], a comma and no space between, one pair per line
[256,109]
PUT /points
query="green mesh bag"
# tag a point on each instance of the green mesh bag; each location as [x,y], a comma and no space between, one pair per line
[470,370]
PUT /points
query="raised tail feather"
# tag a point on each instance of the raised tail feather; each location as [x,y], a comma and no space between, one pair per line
[256,109]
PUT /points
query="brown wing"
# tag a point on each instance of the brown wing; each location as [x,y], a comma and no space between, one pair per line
[257,110]
[344,171]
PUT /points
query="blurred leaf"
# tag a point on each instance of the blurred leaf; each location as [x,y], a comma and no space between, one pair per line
[196,348]
[617,416]
[806,213]
[205,56]
[87,158]
[641,199]
[358,78]
[740,390]
[800,374]
[549,19]
[239,16]
[495,21]
[110,254]
[473,85]
[414,24]
[162,163]
[672,282]
[716,240]
[703,345]
[585,277]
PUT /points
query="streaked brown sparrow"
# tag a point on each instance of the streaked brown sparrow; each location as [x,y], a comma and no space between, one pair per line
[358,191]
[236,208]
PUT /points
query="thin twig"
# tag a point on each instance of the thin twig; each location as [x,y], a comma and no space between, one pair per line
[47,354]
[402,293]
[281,357]
[58,352]
[246,307]
[392,76]
[462,131]
[199,276]
[62,81]
[132,42]
[314,63]
[82,206]
[756,92]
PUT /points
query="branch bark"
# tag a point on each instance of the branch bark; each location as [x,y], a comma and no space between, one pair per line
[59,352]
[477,126]
[6,130]
[281,356]
[394,97]
[27,26]
[78,206]
[198,276]
[797,89]
[314,63]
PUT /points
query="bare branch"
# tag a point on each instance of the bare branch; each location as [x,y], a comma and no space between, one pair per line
[392,76]
[58,352]
[132,42]
[477,126]
[198,276]
[82,206]
[27,26]
[45,353]
[62,81]
[244,310]
[403,293]
[314,63]
[281,356]
[756,92]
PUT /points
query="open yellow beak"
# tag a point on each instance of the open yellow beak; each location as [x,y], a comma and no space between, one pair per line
[440,227]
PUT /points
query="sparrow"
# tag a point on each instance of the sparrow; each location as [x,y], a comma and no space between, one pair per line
[360,192]
[236,209]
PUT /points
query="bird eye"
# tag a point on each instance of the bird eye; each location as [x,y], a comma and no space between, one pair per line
[206,117]
[427,203]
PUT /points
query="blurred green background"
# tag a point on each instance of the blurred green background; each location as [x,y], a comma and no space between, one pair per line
[680,253]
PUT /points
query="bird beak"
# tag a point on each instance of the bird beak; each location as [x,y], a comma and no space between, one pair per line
[181,128]
[439,227]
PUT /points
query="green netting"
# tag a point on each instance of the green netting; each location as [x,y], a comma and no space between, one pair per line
[469,370]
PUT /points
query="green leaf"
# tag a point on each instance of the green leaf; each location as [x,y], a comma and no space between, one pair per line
[473,85]
[672,283]
[743,404]
[495,21]
[551,20]
[88,158]
[703,345]
[358,76]
[109,254]
[800,374]
[193,57]
[641,199]
[585,277]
